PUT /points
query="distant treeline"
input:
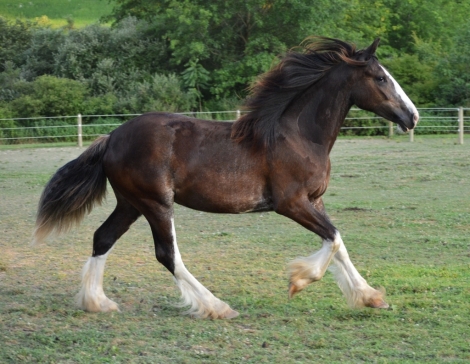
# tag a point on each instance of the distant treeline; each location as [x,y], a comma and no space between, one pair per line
[202,55]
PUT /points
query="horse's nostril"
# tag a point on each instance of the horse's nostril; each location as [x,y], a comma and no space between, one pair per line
[415,118]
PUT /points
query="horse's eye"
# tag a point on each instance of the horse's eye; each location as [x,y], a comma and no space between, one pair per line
[381,79]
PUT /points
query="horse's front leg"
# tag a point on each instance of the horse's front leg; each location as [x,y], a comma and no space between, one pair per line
[309,269]
[306,270]
[352,284]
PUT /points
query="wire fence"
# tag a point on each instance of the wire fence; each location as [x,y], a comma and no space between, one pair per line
[79,128]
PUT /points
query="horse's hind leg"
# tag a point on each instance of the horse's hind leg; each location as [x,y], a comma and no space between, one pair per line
[91,296]
[203,303]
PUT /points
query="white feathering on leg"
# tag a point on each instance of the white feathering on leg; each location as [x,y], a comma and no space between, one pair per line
[354,287]
[201,301]
[91,296]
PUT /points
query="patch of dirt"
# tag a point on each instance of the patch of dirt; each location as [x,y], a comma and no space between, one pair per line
[354,208]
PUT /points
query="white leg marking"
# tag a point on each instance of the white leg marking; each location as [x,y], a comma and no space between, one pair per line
[358,293]
[91,296]
[310,269]
[203,303]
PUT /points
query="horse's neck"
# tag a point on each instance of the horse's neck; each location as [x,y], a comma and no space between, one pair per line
[319,113]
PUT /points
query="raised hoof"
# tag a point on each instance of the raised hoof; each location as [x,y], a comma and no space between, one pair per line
[293,289]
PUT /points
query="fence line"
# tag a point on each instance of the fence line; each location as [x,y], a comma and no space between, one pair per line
[453,122]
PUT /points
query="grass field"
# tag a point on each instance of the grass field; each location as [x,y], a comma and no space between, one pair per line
[403,210]
[82,12]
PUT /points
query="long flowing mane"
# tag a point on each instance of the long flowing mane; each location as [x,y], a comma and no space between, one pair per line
[276,89]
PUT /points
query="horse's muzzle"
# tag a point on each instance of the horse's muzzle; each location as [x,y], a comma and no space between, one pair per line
[407,125]
[415,119]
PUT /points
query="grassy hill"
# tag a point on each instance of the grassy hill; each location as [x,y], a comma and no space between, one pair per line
[56,12]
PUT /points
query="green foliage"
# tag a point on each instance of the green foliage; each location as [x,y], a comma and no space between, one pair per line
[158,93]
[9,78]
[40,57]
[212,51]
[54,130]
[109,60]
[454,72]
[196,78]
[50,96]
[360,122]
[14,40]
[234,41]
[93,127]
[416,76]
[100,105]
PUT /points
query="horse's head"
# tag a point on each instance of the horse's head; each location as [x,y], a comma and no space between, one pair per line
[377,91]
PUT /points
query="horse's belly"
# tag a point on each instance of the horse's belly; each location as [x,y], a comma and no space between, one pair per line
[224,198]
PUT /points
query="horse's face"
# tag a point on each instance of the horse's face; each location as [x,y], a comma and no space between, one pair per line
[377,91]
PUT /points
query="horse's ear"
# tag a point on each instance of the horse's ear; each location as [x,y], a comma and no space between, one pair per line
[370,51]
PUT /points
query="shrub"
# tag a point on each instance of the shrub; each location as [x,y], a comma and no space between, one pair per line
[160,93]
[92,127]
[109,59]
[100,105]
[50,96]
[371,124]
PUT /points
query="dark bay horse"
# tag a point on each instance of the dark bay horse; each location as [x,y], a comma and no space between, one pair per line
[275,158]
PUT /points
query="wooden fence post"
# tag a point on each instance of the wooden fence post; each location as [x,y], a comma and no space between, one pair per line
[238,114]
[79,124]
[412,135]
[390,129]
[461,126]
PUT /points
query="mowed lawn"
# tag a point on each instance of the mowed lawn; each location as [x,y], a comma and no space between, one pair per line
[403,210]
[82,12]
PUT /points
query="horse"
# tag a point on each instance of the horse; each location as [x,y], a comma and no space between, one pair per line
[273,158]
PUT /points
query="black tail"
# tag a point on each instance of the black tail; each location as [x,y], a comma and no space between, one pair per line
[72,192]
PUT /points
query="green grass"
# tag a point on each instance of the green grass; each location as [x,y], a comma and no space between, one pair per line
[82,12]
[403,210]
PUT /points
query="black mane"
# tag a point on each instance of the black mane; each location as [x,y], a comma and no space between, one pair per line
[275,90]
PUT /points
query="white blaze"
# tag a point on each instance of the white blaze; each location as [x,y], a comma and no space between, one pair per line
[409,104]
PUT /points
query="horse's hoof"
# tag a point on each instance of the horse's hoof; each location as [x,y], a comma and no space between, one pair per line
[376,299]
[378,303]
[230,314]
[293,289]
[109,306]
[381,304]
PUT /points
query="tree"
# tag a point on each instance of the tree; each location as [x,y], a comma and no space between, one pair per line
[195,77]
[453,71]
[233,40]
[14,40]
